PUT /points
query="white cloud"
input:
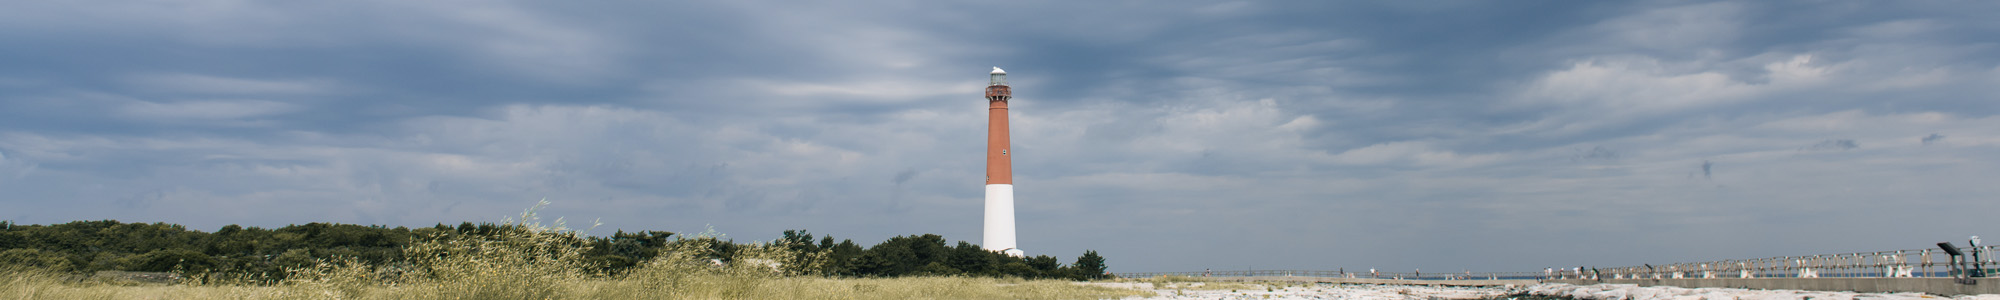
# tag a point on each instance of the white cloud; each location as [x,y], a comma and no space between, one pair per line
[14,168]
[1898,29]
[1645,85]
[1414,153]
[1381,153]
[528,42]
[1694,26]
[203,110]
[1601,93]
[1301,123]
[521,41]
[884,90]
[1293,57]
[206,84]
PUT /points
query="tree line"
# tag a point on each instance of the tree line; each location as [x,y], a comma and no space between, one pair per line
[89,246]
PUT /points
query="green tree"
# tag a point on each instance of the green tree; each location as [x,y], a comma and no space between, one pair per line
[1020,269]
[294,258]
[936,269]
[843,259]
[111,245]
[973,260]
[1045,267]
[10,238]
[903,255]
[1090,266]
[170,260]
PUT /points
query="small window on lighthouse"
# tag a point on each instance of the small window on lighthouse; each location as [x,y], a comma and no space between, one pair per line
[1003,151]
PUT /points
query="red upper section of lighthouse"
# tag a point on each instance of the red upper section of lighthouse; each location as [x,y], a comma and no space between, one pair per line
[999,165]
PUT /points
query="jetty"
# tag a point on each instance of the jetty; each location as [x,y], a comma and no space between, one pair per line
[1946,270]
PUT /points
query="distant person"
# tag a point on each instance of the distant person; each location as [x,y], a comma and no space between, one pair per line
[1372,274]
[1206,273]
[1889,265]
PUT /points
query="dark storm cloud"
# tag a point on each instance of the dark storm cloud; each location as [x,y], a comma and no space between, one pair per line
[1170,129]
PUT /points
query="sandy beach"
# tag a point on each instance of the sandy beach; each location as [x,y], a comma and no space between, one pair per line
[1201,290]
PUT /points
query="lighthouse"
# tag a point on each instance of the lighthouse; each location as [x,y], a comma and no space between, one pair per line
[999,169]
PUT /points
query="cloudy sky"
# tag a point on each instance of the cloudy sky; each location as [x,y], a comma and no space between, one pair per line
[1169,136]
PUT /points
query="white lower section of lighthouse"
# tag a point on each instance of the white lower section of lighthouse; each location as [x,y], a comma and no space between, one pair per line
[1000,220]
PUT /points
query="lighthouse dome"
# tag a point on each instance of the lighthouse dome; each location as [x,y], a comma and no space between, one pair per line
[997,70]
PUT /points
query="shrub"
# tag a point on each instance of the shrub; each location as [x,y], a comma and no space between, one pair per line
[524,260]
[36,258]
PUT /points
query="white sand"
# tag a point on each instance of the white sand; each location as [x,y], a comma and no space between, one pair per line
[1635,292]
[1314,291]
[1592,292]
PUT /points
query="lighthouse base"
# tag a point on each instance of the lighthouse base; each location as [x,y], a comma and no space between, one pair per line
[1000,220]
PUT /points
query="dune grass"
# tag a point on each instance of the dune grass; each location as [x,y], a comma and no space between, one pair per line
[44,285]
[547,262]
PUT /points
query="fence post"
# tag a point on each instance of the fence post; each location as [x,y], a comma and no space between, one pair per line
[1764,267]
[1926,264]
[1878,262]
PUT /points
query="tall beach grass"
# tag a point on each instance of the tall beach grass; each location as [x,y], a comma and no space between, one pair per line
[536,261]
